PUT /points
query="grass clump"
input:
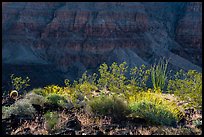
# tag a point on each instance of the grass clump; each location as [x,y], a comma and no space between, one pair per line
[112,106]
[159,74]
[154,109]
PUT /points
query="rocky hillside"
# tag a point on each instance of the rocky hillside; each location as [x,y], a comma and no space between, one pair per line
[69,38]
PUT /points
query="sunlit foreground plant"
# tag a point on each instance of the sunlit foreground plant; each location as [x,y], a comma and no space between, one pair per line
[155,109]
[108,106]
[187,86]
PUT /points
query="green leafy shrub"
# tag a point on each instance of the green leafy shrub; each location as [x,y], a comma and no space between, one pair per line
[139,77]
[22,107]
[35,99]
[108,106]
[87,89]
[87,78]
[155,109]
[76,91]
[51,118]
[188,87]
[159,74]
[58,100]
[19,84]
[113,77]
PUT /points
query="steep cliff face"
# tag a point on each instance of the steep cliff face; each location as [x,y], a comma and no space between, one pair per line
[74,37]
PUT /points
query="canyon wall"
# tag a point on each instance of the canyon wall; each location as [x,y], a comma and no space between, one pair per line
[70,37]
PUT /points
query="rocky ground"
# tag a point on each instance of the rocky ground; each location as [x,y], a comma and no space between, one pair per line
[79,122]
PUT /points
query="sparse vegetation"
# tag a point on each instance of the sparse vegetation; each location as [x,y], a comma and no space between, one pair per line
[116,92]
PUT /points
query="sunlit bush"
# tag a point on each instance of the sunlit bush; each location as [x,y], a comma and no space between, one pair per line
[188,87]
[113,77]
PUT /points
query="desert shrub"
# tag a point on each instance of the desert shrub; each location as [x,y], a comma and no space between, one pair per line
[88,78]
[108,106]
[35,99]
[58,100]
[139,77]
[155,109]
[19,84]
[22,107]
[87,89]
[159,74]
[113,77]
[188,87]
[75,92]
[75,97]
[51,119]
[39,91]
